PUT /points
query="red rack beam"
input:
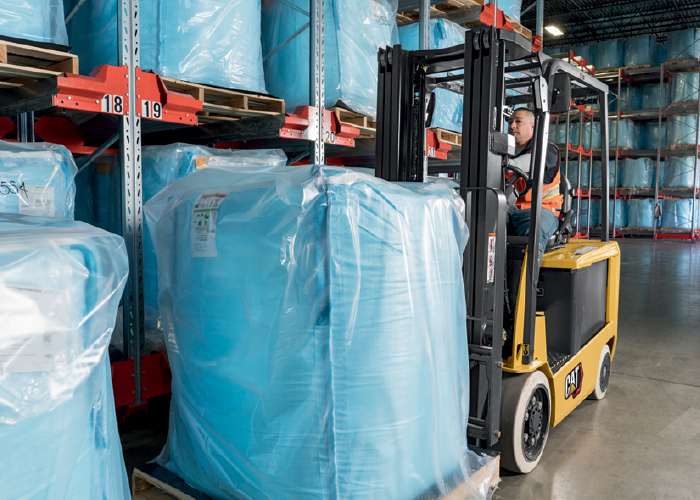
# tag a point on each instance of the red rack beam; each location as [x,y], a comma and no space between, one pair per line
[437,149]
[155,102]
[297,126]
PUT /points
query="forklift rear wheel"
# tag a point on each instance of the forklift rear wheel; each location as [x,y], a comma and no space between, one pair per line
[603,380]
[525,412]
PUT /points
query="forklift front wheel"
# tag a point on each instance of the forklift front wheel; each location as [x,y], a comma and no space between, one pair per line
[603,380]
[525,412]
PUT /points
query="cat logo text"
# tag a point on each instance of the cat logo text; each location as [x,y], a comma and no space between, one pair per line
[574,381]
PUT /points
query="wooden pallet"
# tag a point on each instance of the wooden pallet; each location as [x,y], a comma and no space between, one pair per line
[520,29]
[226,104]
[686,65]
[21,64]
[365,124]
[689,147]
[445,136]
[683,104]
[443,10]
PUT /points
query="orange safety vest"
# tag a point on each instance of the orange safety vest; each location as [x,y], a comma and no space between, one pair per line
[551,197]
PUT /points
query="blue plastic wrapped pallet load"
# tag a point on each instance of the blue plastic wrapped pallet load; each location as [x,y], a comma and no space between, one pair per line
[651,135]
[678,214]
[638,136]
[597,174]
[681,130]
[60,285]
[572,174]
[37,179]
[638,51]
[583,212]
[609,54]
[34,20]
[679,172]
[617,213]
[557,133]
[659,54]
[684,88]
[213,42]
[683,44]
[631,98]
[641,213]
[286,365]
[626,133]
[443,34]
[651,96]
[575,130]
[354,31]
[510,8]
[638,173]
[584,51]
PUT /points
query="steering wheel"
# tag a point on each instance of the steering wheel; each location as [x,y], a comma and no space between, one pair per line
[511,190]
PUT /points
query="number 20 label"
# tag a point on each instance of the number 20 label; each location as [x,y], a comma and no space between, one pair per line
[113,104]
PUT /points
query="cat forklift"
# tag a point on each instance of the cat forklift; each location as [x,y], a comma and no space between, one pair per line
[541,338]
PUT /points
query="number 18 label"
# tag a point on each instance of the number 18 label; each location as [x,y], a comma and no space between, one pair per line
[113,104]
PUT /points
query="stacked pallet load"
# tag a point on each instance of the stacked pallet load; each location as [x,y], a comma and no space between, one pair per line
[34,20]
[289,356]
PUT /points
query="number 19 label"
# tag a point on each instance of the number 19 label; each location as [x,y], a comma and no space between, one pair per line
[113,104]
[151,109]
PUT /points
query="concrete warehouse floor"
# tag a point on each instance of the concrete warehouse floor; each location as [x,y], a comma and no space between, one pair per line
[643,440]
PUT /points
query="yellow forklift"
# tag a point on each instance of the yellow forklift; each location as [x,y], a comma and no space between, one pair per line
[541,338]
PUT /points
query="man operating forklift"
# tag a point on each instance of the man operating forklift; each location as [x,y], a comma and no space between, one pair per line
[522,126]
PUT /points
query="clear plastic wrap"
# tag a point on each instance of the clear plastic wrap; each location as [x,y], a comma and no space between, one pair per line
[678,214]
[630,99]
[617,213]
[443,34]
[683,44]
[575,128]
[60,285]
[638,51]
[626,133]
[638,173]
[609,54]
[659,54]
[557,133]
[595,214]
[37,178]
[510,8]
[680,172]
[597,174]
[585,51]
[572,174]
[684,87]
[641,213]
[651,135]
[651,96]
[35,20]
[681,130]
[93,187]
[214,42]
[286,365]
[354,32]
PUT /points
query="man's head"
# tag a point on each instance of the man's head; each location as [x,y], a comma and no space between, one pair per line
[522,124]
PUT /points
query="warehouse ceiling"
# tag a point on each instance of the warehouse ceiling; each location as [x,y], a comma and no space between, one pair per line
[588,21]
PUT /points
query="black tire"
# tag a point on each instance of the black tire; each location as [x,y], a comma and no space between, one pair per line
[603,379]
[525,412]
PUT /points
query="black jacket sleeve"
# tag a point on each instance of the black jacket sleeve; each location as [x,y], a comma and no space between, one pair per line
[551,163]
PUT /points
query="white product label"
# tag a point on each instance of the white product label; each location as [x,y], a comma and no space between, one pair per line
[378,10]
[36,341]
[36,200]
[203,226]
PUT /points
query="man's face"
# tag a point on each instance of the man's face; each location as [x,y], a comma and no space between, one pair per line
[521,128]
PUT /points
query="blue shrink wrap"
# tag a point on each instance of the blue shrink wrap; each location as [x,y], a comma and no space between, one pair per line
[662,170]
[651,96]
[617,213]
[443,34]
[683,44]
[638,136]
[680,172]
[93,195]
[572,174]
[60,286]
[557,133]
[678,214]
[681,130]
[684,87]
[213,42]
[583,212]
[659,54]
[510,8]
[638,173]
[626,133]
[354,32]
[597,174]
[640,213]
[631,99]
[574,134]
[34,20]
[585,51]
[284,368]
[651,135]
[37,179]
[638,50]
[608,54]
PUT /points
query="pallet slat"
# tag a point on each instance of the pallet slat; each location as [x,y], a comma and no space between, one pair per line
[33,63]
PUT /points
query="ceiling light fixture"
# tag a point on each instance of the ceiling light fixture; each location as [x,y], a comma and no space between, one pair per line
[553,30]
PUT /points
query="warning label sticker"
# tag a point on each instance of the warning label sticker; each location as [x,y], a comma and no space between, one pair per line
[203,226]
[491,256]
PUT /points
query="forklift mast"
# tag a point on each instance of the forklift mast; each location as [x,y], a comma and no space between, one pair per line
[494,63]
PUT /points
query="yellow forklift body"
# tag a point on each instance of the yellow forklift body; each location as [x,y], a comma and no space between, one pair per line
[576,379]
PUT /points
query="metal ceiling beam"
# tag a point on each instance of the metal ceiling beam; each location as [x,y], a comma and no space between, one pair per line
[597,8]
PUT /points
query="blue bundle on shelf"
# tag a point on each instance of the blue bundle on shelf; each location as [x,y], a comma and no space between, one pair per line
[443,34]
[684,87]
[641,213]
[680,172]
[678,214]
[575,129]
[638,136]
[60,285]
[609,54]
[213,42]
[353,33]
[38,179]
[651,135]
[583,212]
[681,130]
[273,316]
[572,174]
[638,51]
[585,51]
[638,173]
[34,20]
[598,174]
[510,8]
[659,54]
[557,133]
[651,96]
[683,44]
[626,133]
[618,213]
